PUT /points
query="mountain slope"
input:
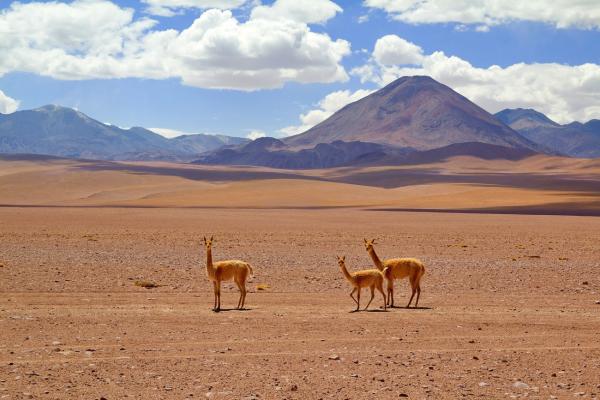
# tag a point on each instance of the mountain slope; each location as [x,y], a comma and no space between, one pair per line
[416,112]
[574,139]
[200,143]
[271,152]
[64,132]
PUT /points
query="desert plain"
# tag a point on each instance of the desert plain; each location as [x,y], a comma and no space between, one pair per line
[509,307]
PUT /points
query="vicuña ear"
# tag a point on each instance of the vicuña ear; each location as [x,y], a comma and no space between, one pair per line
[373,241]
[343,258]
[211,238]
[366,241]
[204,239]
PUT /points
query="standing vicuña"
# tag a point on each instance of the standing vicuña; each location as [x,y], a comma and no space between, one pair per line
[235,270]
[398,268]
[371,278]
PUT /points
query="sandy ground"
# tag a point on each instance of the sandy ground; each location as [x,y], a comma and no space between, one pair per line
[508,305]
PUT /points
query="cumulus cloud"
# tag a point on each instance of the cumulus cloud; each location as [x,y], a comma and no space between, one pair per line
[168,8]
[305,11]
[217,50]
[564,93]
[560,13]
[7,104]
[255,134]
[325,108]
[392,49]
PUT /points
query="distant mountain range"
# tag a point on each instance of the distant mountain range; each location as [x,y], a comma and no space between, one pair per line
[411,120]
[64,132]
[574,139]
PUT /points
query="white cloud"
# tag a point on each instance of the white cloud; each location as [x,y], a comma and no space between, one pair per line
[168,8]
[325,108]
[305,11]
[216,51]
[392,49]
[560,13]
[255,134]
[170,133]
[7,104]
[564,93]
[363,18]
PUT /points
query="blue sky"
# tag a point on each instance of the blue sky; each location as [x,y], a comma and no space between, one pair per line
[153,63]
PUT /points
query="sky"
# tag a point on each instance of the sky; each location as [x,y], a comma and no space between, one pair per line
[250,68]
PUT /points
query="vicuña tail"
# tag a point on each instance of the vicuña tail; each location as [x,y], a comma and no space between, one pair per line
[250,268]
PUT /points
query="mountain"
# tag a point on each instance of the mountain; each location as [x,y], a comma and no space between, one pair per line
[574,139]
[200,143]
[274,153]
[271,152]
[416,112]
[64,132]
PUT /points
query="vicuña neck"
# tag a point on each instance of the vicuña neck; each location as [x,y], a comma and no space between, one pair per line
[376,259]
[346,273]
[209,264]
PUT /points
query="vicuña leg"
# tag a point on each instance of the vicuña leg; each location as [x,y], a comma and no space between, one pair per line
[218,283]
[380,288]
[390,293]
[239,285]
[418,294]
[358,300]
[413,286]
[243,288]
[215,295]
[352,295]
[372,287]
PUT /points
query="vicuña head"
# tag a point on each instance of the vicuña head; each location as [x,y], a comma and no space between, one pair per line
[371,278]
[208,242]
[235,270]
[369,244]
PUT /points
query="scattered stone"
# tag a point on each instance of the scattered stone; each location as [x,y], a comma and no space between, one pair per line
[597,301]
[585,283]
[354,376]
[483,384]
[334,357]
[56,343]
[294,388]
[168,388]
[520,385]
[403,395]
[475,358]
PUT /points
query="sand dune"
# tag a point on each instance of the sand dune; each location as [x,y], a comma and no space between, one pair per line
[553,183]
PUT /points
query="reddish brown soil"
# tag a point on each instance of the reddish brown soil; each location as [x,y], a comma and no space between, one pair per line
[506,299]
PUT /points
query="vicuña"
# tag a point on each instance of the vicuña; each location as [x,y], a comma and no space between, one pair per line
[398,268]
[371,278]
[220,271]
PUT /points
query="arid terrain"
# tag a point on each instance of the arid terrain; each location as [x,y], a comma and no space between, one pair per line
[509,307]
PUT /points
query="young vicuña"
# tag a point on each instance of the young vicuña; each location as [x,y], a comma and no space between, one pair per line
[371,278]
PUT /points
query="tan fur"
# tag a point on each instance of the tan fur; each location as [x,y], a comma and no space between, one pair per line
[371,278]
[398,268]
[228,270]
